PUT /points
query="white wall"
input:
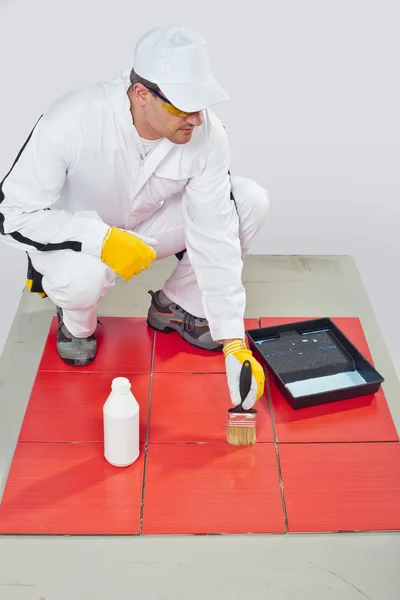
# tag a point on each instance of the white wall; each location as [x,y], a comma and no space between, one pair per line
[314,115]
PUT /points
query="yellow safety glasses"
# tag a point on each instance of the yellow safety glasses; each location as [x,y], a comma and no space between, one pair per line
[169,107]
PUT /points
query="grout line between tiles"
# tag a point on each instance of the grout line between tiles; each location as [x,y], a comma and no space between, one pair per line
[332,443]
[278,462]
[146,445]
[93,372]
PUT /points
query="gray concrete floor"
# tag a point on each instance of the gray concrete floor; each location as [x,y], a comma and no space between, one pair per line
[326,566]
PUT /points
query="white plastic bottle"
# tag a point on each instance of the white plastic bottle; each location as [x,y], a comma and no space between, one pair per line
[121,424]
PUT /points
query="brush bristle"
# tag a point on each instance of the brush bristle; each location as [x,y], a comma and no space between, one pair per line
[241,436]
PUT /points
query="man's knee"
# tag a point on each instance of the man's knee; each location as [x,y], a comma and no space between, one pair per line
[80,283]
[251,200]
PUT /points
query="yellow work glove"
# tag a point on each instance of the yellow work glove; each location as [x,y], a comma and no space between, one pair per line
[126,253]
[236,353]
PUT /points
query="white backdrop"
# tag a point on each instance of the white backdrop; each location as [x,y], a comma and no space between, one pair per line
[314,115]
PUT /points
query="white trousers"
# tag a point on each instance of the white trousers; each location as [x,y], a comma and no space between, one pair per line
[75,281]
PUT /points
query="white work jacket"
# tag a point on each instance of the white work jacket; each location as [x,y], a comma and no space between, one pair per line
[83,169]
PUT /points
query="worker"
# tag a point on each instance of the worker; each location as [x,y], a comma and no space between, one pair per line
[120,173]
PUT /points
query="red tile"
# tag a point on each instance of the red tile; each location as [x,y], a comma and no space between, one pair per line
[350,326]
[251,324]
[68,407]
[363,419]
[175,355]
[70,489]
[212,488]
[341,487]
[123,343]
[189,407]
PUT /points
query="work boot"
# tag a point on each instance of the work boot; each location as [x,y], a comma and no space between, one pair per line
[74,351]
[167,316]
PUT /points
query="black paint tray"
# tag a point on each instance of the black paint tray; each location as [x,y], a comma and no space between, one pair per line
[313,362]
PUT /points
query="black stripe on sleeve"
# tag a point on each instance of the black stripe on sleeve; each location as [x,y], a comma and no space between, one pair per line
[16,160]
[76,246]
[232,197]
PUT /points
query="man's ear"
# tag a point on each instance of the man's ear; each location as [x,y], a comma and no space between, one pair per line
[141,94]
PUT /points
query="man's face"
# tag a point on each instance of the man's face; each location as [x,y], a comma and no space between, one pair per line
[177,129]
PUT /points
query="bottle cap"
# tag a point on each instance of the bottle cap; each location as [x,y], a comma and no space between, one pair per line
[121,385]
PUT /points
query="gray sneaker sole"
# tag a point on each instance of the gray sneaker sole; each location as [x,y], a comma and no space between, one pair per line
[76,361]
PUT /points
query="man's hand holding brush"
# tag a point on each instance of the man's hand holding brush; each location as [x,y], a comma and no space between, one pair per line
[236,353]
[246,381]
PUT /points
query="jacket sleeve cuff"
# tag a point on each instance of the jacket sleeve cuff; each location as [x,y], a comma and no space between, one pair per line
[227,330]
[94,237]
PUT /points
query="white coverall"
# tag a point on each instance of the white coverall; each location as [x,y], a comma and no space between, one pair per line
[84,169]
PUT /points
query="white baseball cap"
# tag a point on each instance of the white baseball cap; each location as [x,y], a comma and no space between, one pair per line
[177,60]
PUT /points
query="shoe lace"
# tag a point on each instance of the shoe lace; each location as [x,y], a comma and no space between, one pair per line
[189,321]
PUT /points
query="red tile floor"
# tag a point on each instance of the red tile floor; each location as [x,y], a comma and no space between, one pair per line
[332,467]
